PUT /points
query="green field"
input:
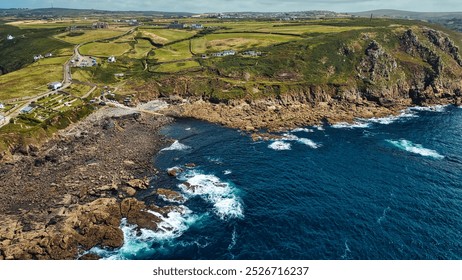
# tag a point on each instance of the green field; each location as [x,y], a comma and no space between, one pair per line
[105,49]
[29,81]
[141,49]
[18,53]
[78,90]
[41,24]
[175,66]
[83,36]
[55,60]
[317,26]
[164,36]
[237,41]
[177,51]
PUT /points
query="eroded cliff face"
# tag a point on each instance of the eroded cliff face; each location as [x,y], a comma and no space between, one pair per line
[415,66]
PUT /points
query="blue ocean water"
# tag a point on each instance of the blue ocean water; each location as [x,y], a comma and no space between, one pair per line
[378,189]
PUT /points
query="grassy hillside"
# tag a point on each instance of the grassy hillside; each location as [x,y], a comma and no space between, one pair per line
[18,53]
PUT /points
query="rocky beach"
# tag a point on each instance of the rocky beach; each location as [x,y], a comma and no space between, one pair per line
[61,199]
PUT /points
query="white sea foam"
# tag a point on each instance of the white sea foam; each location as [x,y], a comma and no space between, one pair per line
[305,141]
[435,108]
[227,172]
[210,188]
[309,143]
[176,146]
[405,114]
[215,160]
[302,130]
[137,240]
[351,125]
[415,148]
[166,199]
[233,240]
[319,127]
[280,146]
[188,129]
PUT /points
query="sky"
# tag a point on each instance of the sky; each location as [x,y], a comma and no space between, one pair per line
[203,6]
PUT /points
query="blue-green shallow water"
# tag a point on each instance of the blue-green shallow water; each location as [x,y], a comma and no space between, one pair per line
[380,189]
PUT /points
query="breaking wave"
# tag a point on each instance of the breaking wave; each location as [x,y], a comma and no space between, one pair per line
[280,146]
[176,146]
[210,188]
[351,125]
[415,148]
[139,242]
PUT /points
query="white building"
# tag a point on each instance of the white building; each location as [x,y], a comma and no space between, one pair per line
[9,37]
[55,85]
[2,106]
[196,26]
[38,57]
[111,59]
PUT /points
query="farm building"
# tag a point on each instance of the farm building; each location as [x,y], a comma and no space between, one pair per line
[9,37]
[111,59]
[2,119]
[100,25]
[251,53]
[176,25]
[2,106]
[55,85]
[37,57]
[224,53]
[27,109]
[48,55]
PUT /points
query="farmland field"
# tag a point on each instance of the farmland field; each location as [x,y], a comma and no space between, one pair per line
[286,28]
[164,36]
[29,81]
[39,24]
[237,41]
[105,49]
[175,66]
[78,37]
[141,49]
[173,52]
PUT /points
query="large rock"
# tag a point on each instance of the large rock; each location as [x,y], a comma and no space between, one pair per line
[171,195]
[142,184]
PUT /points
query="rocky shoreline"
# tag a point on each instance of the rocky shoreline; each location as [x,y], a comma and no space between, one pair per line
[60,200]
[281,115]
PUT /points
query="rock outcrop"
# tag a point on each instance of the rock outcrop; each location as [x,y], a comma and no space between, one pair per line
[61,199]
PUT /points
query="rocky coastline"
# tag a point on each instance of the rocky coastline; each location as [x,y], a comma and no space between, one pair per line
[61,199]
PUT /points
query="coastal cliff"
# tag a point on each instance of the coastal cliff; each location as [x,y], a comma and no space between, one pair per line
[354,74]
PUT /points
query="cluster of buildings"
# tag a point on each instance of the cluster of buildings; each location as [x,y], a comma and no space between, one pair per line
[37,57]
[100,25]
[224,53]
[179,25]
[232,52]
